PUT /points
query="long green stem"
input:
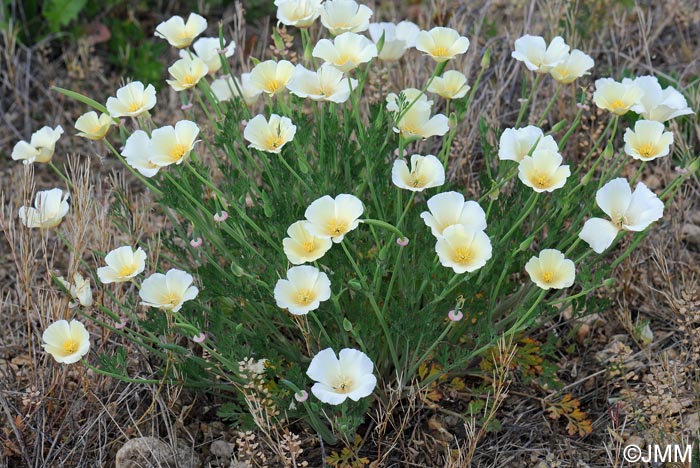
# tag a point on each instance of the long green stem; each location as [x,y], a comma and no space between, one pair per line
[525,105]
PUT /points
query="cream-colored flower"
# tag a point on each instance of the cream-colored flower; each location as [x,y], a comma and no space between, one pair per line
[186,73]
[50,206]
[179,33]
[451,85]
[303,290]
[271,77]
[648,140]
[137,152]
[132,100]
[346,52]
[398,102]
[659,104]
[333,218]
[225,88]
[537,56]
[269,135]
[543,171]
[426,172]
[40,148]
[326,84]
[302,246]
[616,97]
[123,263]
[66,342]
[398,38]
[627,211]
[449,208]
[575,66]
[417,123]
[515,144]
[79,289]
[168,291]
[173,145]
[92,127]
[338,378]
[341,16]
[298,13]
[551,270]
[463,249]
[442,44]
[209,50]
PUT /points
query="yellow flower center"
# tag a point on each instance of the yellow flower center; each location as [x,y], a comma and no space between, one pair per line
[134,106]
[189,79]
[171,298]
[304,297]
[343,59]
[309,246]
[547,277]
[417,181]
[273,85]
[617,105]
[344,385]
[337,227]
[177,152]
[440,51]
[70,346]
[646,150]
[541,181]
[410,130]
[274,141]
[127,270]
[463,255]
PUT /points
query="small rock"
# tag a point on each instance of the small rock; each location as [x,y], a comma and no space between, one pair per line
[222,449]
[150,452]
[691,234]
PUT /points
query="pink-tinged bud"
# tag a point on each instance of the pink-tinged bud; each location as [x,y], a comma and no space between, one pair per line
[681,170]
[220,218]
[402,241]
[396,152]
[583,106]
[221,51]
[301,396]
[199,338]
[244,123]
[455,315]
[186,106]
[198,241]
[121,122]
[522,100]
[121,324]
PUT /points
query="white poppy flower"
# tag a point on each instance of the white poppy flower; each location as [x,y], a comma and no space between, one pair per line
[338,378]
[426,172]
[346,52]
[463,249]
[179,33]
[271,77]
[397,38]
[40,148]
[543,171]
[208,50]
[417,123]
[515,144]
[442,44]
[450,208]
[225,88]
[123,263]
[451,85]
[50,206]
[333,218]
[132,100]
[341,16]
[627,211]
[298,13]
[575,66]
[173,145]
[551,270]
[648,140]
[168,291]
[302,246]
[66,342]
[92,127]
[659,104]
[394,101]
[616,97]
[326,84]
[303,290]
[186,73]
[269,135]
[537,56]
[79,289]
[137,152]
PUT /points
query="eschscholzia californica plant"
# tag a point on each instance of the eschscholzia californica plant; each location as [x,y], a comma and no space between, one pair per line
[346,52]
[271,77]
[349,375]
[551,270]
[302,246]
[539,56]
[543,171]
[463,249]
[616,97]
[298,13]
[659,104]
[449,208]
[137,153]
[303,290]
[326,84]
[92,126]
[41,146]
[627,210]
[186,73]
[172,145]
[132,100]
[398,38]
[332,218]
[50,207]
[179,33]
[451,85]
[225,89]
[515,144]
[417,123]
[209,51]
[342,16]
[648,140]
[79,290]
[66,342]
[442,44]
[576,65]
[425,172]
[168,291]
[123,263]
[269,135]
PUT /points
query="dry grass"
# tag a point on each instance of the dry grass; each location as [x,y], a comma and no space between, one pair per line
[631,390]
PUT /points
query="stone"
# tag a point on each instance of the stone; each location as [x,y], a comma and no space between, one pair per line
[691,234]
[151,452]
[222,449]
